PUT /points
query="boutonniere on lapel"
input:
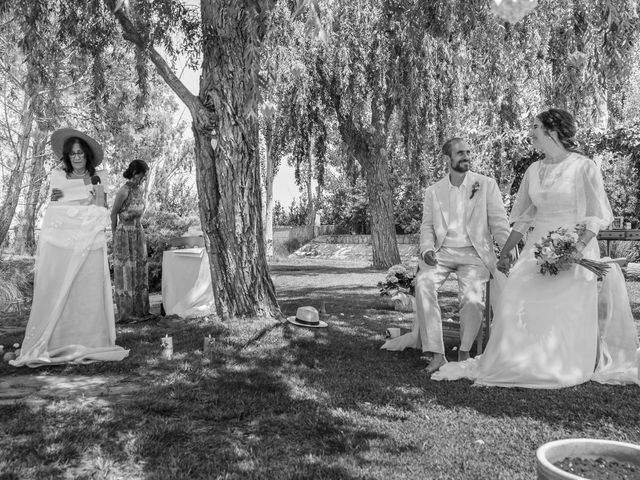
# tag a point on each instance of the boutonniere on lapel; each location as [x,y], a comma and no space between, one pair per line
[474,188]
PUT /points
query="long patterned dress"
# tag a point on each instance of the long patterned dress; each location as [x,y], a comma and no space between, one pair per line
[130,258]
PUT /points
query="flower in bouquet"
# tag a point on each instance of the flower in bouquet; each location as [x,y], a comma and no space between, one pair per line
[399,279]
[557,251]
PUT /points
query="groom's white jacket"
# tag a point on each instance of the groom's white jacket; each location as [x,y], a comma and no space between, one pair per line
[486,218]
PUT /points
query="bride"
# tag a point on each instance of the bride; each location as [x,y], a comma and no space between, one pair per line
[551,331]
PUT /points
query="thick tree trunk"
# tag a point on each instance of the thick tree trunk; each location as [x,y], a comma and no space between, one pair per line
[225,129]
[227,161]
[230,211]
[34,194]
[383,233]
[367,146]
[368,150]
[14,187]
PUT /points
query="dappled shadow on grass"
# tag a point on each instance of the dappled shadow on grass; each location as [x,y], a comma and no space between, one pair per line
[315,270]
[356,300]
[297,403]
[245,413]
[598,404]
[581,409]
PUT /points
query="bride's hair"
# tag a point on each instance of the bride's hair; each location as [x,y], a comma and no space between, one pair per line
[563,123]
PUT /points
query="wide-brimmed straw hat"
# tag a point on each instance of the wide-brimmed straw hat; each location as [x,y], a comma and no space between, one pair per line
[307,317]
[60,136]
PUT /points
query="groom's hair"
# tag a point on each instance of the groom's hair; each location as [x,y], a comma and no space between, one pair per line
[446,148]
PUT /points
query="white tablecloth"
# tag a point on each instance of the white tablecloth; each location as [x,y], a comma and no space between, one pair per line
[186,283]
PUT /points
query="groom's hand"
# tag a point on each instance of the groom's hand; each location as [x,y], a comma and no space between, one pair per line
[430,258]
[504,264]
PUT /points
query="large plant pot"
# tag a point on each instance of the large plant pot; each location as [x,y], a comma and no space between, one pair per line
[403,302]
[589,448]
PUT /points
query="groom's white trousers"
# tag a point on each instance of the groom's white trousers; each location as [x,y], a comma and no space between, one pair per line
[472,275]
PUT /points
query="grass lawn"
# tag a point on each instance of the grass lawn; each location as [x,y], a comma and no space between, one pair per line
[275,401]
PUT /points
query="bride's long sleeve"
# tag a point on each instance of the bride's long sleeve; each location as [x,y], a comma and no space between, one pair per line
[594,209]
[523,211]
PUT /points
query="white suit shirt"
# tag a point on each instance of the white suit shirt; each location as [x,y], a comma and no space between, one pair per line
[457,235]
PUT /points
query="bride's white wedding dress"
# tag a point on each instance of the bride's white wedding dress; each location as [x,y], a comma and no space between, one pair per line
[72,318]
[546,331]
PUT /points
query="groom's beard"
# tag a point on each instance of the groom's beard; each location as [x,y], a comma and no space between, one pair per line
[461,167]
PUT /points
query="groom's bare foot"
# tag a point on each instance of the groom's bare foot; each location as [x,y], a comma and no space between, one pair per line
[462,355]
[436,362]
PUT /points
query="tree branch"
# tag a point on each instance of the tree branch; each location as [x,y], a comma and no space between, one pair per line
[131,34]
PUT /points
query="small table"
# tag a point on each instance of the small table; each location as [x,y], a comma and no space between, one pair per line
[186,283]
[618,235]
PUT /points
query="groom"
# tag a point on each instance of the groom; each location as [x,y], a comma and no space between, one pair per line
[463,214]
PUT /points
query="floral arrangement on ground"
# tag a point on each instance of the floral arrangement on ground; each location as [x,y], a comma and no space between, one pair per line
[399,279]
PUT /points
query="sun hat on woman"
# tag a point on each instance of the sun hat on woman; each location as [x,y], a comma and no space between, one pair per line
[59,137]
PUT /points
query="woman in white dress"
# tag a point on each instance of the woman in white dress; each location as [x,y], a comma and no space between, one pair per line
[545,331]
[72,319]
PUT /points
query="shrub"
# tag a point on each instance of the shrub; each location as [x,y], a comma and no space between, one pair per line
[292,245]
[629,250]
[16,278]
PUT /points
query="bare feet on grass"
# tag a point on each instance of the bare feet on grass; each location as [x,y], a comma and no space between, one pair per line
[436,362]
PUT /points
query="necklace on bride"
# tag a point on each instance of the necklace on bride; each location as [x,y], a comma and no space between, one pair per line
[78,174]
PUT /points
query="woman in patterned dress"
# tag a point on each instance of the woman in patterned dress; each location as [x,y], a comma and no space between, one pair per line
[130,247]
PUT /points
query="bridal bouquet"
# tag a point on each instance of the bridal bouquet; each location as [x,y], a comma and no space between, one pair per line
[399,279]
[557,251]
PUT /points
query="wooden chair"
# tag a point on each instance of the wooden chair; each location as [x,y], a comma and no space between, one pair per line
[486,323]
[451,329]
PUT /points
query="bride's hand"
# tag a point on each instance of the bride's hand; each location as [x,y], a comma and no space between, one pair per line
[577,255]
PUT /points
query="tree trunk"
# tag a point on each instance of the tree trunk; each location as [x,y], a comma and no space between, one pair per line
[602,111]
[34,194]
[268,186]
[13,189]
[227,161]
[311,204]
[225,130]
[383,233]
[230,211]
[367,148]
